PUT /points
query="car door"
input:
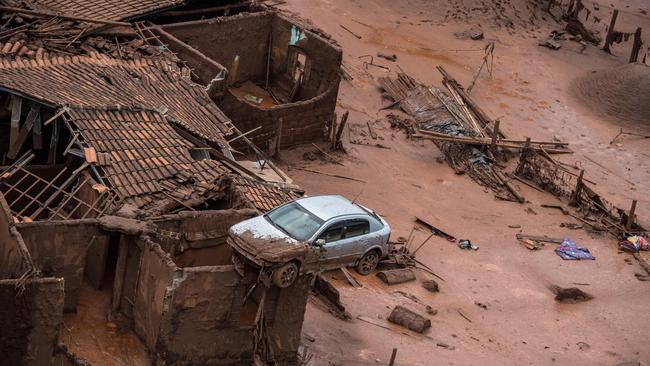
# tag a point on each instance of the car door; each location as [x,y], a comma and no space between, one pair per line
[344,243]
[332,235]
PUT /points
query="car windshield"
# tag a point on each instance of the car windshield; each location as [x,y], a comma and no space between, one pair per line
[295,221]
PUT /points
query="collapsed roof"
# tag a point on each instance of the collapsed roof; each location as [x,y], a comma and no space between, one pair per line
[94,9]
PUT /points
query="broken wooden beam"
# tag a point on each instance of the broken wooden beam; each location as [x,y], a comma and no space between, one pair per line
[32,116]
[541,238]
[10,9]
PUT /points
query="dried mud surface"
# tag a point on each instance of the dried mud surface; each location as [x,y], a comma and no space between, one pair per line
[494,306]
[622,93]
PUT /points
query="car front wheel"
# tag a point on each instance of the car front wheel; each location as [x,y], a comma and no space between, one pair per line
[286,275]
[368,263]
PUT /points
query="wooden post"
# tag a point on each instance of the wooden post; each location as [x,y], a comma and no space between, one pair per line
[16,109]
[392,357]
[575,200]
[32,116]
[37,134]
[339,133]
[234,70]
[278,138]
[609,39]
[495,134]
[54,144]
[268,62]
[636,46]
[630,216]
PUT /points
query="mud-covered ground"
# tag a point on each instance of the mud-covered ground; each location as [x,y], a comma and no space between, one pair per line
[535,92]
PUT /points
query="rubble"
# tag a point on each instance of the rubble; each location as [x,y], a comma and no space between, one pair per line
[396,276]
[409,319]
[570,295]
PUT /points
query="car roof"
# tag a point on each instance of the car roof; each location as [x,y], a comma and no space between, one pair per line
[329,206]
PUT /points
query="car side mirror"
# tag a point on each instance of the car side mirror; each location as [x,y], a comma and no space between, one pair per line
[319,243]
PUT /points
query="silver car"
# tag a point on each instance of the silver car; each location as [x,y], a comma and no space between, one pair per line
[310,235]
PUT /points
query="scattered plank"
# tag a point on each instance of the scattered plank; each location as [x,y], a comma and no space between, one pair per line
[349,31]
[351,280]
[328,156]
[329,175]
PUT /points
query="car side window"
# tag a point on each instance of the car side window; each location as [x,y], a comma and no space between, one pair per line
[357,227]
[333,233]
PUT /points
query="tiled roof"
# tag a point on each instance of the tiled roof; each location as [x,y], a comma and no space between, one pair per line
[98,81]
[264,195]
[101,9]
[142,157]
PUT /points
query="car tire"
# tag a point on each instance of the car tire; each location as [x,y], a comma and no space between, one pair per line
[286,275]
[368,263]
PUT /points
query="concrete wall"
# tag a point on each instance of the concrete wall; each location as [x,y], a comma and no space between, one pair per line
[30,320]
[58,249]
[14,257]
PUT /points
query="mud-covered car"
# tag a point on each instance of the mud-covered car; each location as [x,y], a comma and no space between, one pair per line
[309,235]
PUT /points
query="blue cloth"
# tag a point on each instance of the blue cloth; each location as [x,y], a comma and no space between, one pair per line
[569,250]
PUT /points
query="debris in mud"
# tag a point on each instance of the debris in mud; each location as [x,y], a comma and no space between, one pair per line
[466,244]
[395,276]
[570,295]
[431,285]
[404,124]
[550,44]
[569,250]
[409,319]
[390,57]
[472,33]
[330,297]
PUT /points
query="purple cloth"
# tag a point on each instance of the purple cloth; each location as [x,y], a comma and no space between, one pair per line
[569,250]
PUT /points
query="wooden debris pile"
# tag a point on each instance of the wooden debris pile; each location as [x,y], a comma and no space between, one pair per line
[592,209]
[40,35]
[471,141]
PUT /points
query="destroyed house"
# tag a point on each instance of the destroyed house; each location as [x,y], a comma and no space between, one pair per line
[117,188]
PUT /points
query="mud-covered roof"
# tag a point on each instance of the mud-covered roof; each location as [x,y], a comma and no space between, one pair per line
[265,196]
[98,81]
[99,9]
[142,157]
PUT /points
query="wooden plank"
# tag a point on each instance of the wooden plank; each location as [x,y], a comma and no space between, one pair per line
[33,114]
[37,134]
[16,108]
[54,143]
[353,281]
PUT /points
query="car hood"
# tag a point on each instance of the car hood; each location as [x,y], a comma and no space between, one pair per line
[259,238]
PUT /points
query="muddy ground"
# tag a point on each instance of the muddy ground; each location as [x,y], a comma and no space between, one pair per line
[535,92]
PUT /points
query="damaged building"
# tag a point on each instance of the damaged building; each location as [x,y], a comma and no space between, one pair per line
[123,166]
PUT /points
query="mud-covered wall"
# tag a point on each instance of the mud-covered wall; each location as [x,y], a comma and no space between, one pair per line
[155,277]
[201,239]
[198,327]
[245,35]
[302,122]
[30,320]
[204,68]
[58,249]
[14,257]
[285,324]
